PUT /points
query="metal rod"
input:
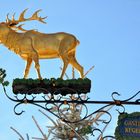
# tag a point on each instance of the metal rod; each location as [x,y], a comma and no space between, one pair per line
[86,102]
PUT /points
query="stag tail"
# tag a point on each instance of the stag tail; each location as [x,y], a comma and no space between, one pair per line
[78,42]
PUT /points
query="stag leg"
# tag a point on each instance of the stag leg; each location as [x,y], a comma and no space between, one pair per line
[28,65]
[37,66]
[35,58]
[65,65]
[76,65]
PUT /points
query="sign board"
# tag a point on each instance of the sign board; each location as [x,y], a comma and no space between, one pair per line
[128,127]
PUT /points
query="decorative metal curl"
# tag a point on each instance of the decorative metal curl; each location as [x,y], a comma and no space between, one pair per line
[101,137]
[128,101]
[101,131]
[108,137]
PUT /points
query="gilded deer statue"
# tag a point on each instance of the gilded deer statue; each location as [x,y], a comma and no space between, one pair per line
[32,45]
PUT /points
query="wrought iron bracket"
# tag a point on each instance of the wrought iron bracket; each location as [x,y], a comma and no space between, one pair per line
[53,103]
[58,99]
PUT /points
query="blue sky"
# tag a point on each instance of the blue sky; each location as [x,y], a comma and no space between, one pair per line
[108,31]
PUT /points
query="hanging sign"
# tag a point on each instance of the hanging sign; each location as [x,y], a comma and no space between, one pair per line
[128,126]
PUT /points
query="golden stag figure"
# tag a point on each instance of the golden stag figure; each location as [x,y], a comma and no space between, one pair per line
[32,45]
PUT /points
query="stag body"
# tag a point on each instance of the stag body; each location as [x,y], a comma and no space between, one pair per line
[32,45]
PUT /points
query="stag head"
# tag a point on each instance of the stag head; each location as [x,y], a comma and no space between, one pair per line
[12,23]
[4,30]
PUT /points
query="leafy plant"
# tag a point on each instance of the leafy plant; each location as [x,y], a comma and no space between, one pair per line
[69,86]
[2,77]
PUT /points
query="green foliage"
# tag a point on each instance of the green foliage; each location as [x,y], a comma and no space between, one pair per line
[5,83]
[86,130]
[2,77]
[58,81]
[64,87]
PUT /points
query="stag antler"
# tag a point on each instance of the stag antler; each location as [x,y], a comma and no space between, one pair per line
[22,19]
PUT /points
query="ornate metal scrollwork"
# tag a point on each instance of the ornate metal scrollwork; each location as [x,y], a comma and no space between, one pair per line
[63,107]
[53,103]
